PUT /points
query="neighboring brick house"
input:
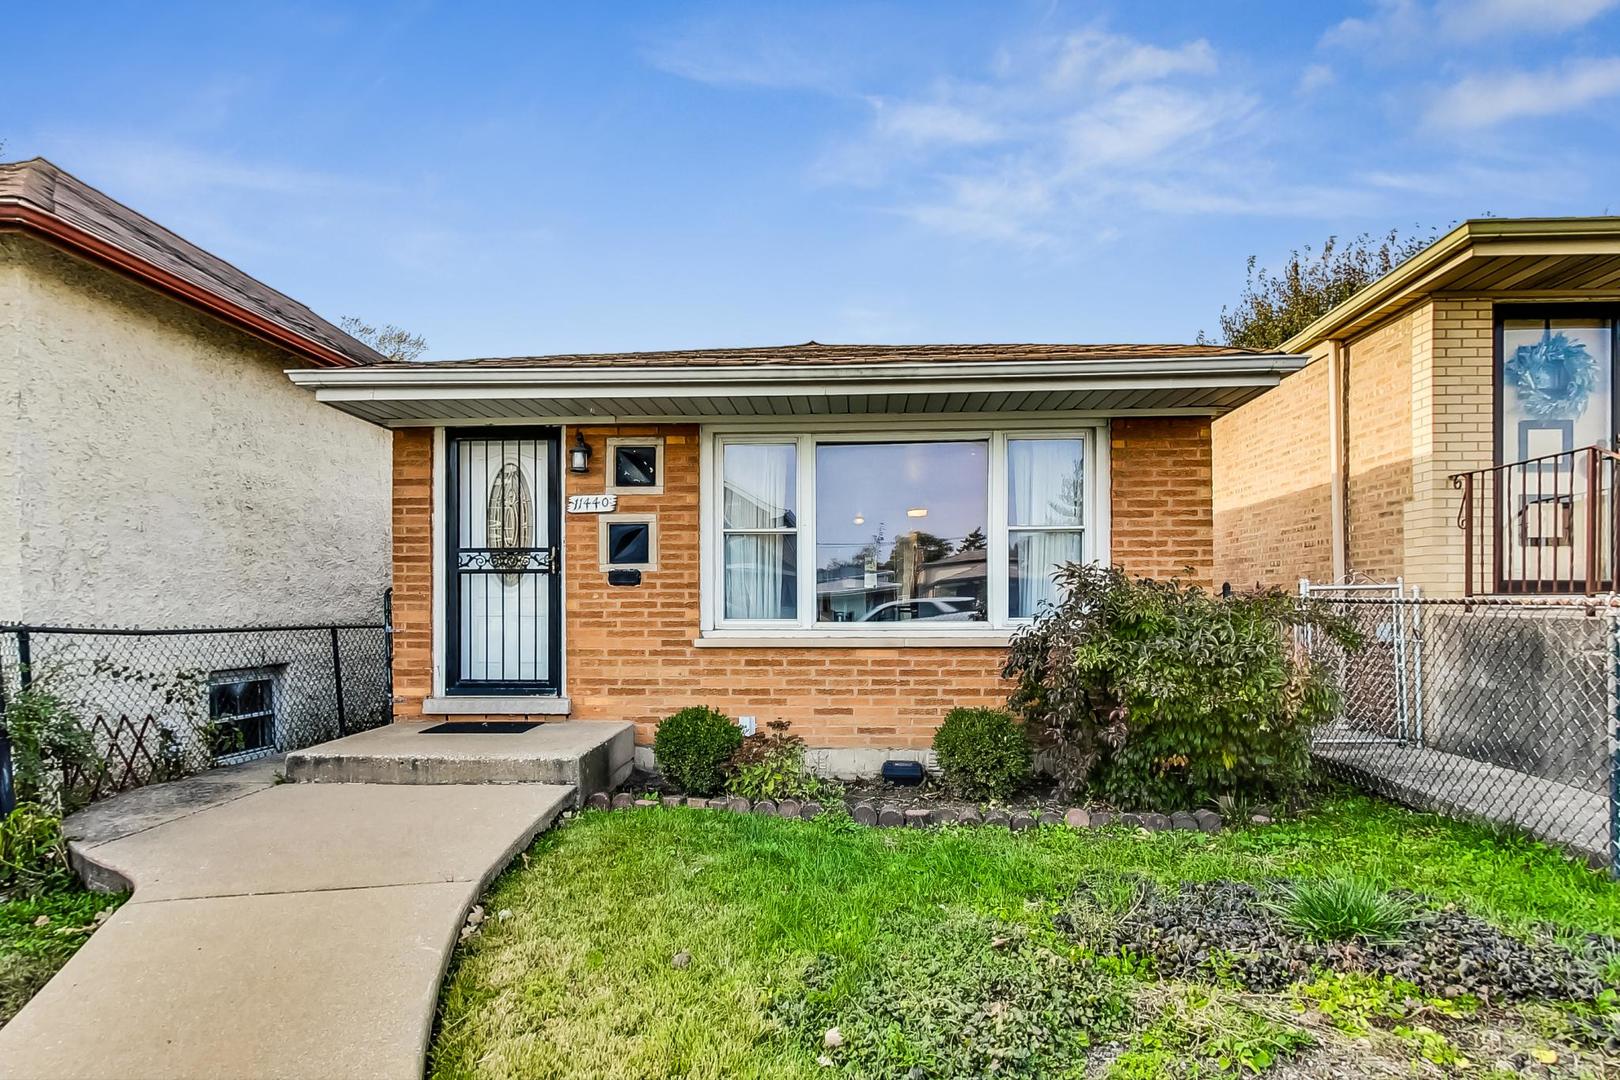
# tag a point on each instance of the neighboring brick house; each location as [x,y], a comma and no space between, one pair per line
[1488,356]
[843,537]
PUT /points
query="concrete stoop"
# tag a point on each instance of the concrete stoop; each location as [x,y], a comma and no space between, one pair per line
[587,756]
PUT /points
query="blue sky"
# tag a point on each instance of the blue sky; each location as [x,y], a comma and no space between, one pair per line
[529,178]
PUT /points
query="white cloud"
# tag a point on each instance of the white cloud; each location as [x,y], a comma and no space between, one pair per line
[1057,135]
[1107,60]
[1399,28]
[933,122]
[1475,19]
[1480,101]
[1316,77]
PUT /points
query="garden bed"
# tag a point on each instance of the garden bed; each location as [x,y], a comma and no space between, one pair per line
[880,803]
[666,942]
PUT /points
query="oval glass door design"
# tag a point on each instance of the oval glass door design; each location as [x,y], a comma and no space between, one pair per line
[503,582]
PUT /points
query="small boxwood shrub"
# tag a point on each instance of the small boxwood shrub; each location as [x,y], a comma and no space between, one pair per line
[693,746]
[1159,695]
[984,753]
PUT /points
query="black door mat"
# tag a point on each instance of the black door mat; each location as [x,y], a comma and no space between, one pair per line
[480,727]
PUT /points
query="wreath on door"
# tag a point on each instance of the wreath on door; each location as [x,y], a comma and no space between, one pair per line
[1553,377]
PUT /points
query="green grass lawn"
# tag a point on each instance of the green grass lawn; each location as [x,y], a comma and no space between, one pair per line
[792,927]
[37,936]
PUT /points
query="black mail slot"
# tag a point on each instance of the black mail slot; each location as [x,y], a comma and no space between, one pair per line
[624,577]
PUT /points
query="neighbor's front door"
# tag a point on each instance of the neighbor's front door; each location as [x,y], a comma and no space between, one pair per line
[503,522]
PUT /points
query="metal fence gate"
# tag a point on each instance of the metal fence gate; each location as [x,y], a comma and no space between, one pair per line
[1382,683]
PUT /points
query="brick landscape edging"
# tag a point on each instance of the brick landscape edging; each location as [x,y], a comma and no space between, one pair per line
[890,815]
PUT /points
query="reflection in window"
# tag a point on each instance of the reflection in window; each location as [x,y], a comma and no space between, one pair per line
[759,524]
[635,466]
[901,532]
[1045,513]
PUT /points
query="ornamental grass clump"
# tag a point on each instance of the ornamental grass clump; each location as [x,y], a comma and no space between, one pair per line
[1343,909]
[984,753]
[1159,695]
[693,746]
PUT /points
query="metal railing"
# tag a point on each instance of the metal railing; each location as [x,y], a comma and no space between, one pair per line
[1501,709]
[164,703]
[1544,526]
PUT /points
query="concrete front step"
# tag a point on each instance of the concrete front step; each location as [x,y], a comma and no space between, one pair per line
[589,756]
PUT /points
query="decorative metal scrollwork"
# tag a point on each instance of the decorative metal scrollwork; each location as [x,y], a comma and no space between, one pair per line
[506,560]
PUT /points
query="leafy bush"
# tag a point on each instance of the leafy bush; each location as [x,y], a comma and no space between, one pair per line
[1343,909]
[693,746]
[1159,694]
[33,852]
[771,766]
[985,753]
[46,736]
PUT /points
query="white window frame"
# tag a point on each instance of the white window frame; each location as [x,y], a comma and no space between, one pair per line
[806,436]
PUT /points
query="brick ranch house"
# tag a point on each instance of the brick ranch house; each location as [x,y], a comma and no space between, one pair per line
[839,536]
[1440,428]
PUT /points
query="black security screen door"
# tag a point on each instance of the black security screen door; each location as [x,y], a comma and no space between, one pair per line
[503,526]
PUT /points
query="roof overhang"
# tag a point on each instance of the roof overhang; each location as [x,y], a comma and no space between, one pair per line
[446,394]
[18,217]
[1530,259]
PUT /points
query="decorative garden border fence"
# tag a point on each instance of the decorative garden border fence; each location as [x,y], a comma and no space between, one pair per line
[1495,709]
[165,703]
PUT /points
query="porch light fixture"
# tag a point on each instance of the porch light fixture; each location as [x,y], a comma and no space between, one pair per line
[917,511]
[579,455]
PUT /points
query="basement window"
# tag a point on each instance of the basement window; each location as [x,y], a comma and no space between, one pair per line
[242,712]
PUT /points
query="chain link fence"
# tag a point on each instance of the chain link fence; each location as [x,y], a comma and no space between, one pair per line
[161,704]
[1497,710]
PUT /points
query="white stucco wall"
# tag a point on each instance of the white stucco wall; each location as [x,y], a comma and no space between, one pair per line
[158,469]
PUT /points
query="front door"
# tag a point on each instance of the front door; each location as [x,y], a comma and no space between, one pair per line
[503,531]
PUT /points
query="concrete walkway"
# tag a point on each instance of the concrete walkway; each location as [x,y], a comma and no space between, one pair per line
[276,930]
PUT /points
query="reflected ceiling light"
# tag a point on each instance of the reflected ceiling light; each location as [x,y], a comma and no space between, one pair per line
[917,511]
[859,520]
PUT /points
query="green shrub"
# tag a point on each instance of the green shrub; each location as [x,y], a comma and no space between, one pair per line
[33,852]
[693,746]
[984,753]
[1159,695]
[46,736]
[771,766]
[1343,909]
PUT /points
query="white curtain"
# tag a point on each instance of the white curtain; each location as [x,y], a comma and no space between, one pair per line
[1045,497]
[760,530]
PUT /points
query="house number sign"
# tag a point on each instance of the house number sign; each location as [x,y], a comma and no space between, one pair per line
[592,504]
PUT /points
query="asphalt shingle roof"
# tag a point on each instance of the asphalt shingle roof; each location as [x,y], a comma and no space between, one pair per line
[41,186]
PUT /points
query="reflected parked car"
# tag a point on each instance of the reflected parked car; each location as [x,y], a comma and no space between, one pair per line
[927,609]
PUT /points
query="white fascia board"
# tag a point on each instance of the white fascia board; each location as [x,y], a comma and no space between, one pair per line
[362,384]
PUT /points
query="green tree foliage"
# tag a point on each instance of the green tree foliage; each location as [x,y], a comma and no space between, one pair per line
[1158,695]
[1274,306]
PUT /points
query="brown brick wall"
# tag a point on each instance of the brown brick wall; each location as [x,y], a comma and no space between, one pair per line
[629,652]
[413,570]
[1378,449]
[1272,490]
[1160,488]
